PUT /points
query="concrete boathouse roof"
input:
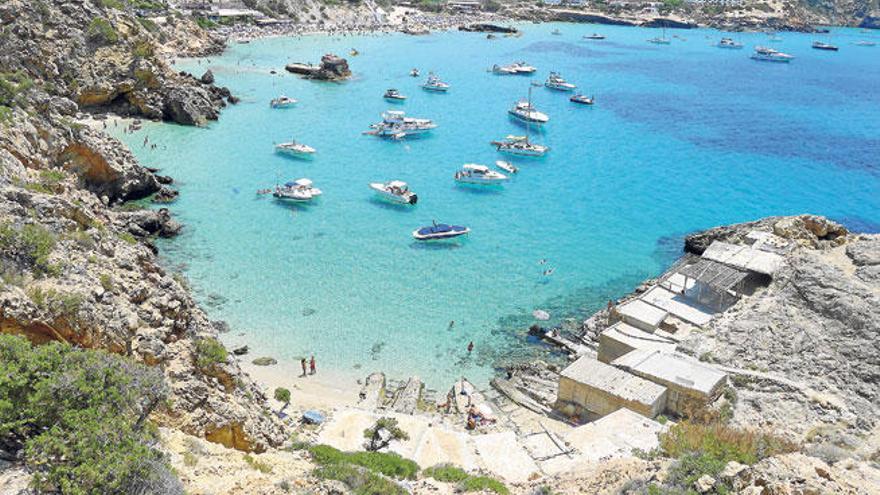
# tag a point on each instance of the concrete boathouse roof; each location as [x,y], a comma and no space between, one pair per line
[673,369]
[743,257]
[588,371]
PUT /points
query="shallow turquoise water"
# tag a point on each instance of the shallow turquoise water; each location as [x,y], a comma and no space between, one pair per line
[682,137]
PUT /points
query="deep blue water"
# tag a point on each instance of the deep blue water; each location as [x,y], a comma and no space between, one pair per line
[682,137]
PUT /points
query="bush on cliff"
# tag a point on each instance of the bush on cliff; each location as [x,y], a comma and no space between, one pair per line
[29,246]
[80,417]
[101,31]
[209,352]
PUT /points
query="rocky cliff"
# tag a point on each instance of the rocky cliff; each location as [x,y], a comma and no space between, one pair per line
[78,267]
[99,55]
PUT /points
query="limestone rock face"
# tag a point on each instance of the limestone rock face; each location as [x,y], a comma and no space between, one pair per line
[332,68]
[807,230]
[798,473]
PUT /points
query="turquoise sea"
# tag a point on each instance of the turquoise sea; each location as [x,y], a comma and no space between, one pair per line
[682,137]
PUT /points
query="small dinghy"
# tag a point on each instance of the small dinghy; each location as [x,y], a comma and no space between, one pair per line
[439,231]
[582,99]
[506,166]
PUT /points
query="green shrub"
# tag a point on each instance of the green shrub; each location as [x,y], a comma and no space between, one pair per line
[58,305]
[111,4]
[446,473]
[389,464]
[30,245]
[143,49]
[128,237]
[80,417]
[257,464]
[209,351]
[360,481]
[5,115]
[480,483]
[11,86]
[106,282]
[282,395]
[378,441]
[205,23]
[148,24]
[100,30]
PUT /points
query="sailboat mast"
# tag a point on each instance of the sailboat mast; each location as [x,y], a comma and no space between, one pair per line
[529,120]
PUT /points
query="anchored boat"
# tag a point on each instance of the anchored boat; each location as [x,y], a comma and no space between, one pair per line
[393,95]
[395,191]
[506,166]
[765,54]
[819,45]
[282,102]
[520,146]
[472,173]
[294,149]
[439,231]
[300,190]
[555,81]
[582,99]
[395,124]
[729,43]
[594,36]
[433,83]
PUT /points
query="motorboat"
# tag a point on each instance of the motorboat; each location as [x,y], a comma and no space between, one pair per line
[525,111]
[520,146]
[556,32]
[433,83]
[393,95]
[765,54]
[282,102]
[819,45]
[395,191]
[439,231]
[523,68]
[555,81]
[504,70]
[660,41]
[865,43]
[396,124]
[295,149]
[729,43]
[594,36]
[582,99]
[472,173]
[298,190]
[506,166]
[414,73]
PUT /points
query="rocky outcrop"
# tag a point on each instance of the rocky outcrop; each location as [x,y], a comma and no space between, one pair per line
[870,22]
[332,68]
[808,230]
[104,59]
[487,28]
[798,473]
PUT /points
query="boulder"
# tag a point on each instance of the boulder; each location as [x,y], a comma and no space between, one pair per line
[332,68]
[207,77]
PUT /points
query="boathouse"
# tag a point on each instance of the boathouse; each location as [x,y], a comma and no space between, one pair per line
[590,389]
[690,384]
[641,314]
[622,338]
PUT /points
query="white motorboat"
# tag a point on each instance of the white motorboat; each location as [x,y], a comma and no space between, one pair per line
[556,32]
[819,45]
[523,68]
[729,43]
[295,149]
[525,111]
[504,70]
[298,190]
[472,173]
[866,43]
[414,73]
[765,54]
[555,81]
[439,231]
[506,166]
[433,83]
[393,95]
[520,146]
[594,36]
[395,191]
[282,102]
[397,125]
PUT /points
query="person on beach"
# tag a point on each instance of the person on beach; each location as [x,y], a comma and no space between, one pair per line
[303,363]
[312,369]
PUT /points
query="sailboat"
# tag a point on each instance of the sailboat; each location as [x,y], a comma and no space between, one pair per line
[520,145]
[663,40]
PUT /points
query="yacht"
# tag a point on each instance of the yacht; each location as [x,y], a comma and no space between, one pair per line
[520,146]
[594,36]
[397,125]
[433,83]
[729,43]
[765,54]
[523,68]
[525,111]
[582,99]
[818,45]
[282,102]
[504,70]
[297,190]
[395,191]
[471,173]
[555,81]
[438,231]
[295,149]
[506,166]
[393,95]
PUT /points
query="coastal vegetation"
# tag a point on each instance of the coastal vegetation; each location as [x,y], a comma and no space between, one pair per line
[210,352]
[27,246]
[381,434]
[101,31]
[465,482]
[80,419]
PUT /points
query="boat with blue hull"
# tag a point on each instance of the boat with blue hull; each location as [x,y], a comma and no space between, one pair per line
[439,232]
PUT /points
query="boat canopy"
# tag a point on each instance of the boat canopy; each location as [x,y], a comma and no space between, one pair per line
[302,182]
[511,137]
[397,183]
[476,167]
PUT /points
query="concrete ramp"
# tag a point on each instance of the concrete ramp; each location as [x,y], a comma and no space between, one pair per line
[501,454]
[440,446]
